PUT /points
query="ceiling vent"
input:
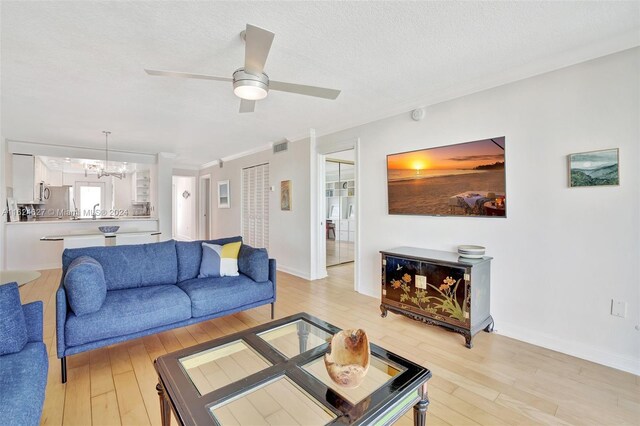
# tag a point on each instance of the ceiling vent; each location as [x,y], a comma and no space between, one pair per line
[280,147]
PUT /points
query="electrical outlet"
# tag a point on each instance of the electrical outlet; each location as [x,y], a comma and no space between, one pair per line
[618,308]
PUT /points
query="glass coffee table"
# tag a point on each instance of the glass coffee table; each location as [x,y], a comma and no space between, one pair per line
[274,374]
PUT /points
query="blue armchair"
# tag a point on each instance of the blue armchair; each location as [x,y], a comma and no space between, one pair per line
[23,374]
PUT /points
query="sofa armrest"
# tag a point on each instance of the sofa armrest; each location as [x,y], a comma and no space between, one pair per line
[33,316]
[272,275]
[61,318]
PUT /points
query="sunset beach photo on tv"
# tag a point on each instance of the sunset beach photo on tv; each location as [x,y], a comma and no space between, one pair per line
[466,179]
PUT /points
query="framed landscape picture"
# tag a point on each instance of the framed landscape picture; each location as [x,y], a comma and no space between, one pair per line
[466,179]
[595,168]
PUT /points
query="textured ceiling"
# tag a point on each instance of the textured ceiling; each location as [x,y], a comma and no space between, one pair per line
[72,69]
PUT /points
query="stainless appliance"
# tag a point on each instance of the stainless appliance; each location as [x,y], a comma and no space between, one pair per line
[44,193]
[58,200]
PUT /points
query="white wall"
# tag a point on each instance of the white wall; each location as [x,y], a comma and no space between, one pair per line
[3,198]
[161,199]
[563,253]
[289,237]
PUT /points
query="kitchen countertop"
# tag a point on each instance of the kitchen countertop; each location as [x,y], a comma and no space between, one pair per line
[102,222]
[96,234]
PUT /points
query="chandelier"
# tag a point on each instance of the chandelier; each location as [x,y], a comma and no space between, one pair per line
[105,171]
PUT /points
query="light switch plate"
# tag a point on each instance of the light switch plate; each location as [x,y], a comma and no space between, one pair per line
[421,282]
[618,308]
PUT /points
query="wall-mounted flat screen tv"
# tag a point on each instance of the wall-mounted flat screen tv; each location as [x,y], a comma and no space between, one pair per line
[466,179]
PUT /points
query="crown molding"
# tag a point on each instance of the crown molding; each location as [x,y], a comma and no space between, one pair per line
[260,148]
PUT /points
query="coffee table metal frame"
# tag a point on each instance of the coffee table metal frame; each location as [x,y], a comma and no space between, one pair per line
[384,406]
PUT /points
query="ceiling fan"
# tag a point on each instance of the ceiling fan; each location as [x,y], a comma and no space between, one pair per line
[250,83]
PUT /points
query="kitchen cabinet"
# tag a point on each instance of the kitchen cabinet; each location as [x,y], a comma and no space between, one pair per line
[28,173]
[438,288]
[141,186]
[54,177]
[24,183]
[39,177]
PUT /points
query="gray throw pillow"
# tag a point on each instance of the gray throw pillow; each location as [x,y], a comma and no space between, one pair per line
[13,327]
[254,263]
[85,285]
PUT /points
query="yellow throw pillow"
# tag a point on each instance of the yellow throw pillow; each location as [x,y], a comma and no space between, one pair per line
[219,261]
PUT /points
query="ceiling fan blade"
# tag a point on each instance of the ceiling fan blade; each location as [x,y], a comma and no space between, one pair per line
[301,89]
[247,106]
[258,43]
[186,75]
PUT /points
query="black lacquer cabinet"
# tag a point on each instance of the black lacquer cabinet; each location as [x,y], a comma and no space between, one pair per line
[438,288]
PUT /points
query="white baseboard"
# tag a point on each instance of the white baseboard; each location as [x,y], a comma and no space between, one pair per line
[292,271]
[321,275]
[577,349]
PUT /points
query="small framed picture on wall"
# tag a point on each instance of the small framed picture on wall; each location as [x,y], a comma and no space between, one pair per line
[285,195]
[223,194]
[594,168]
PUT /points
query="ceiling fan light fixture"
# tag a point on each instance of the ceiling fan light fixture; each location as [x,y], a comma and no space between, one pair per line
[249,91]
[249,86]
[250,83]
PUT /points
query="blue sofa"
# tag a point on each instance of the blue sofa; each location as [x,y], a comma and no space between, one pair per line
[155,287]
[23,374]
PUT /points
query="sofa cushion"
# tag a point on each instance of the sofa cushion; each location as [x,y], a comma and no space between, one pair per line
[129,311]
[13,328]
[219,261]
[131,266]
[212,295]
[254,263]
[85,285]
[190,256]
[23,379]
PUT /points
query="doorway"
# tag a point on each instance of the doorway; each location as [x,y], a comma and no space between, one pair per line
[340,215]
[334,150]
[204,213]
[184,208]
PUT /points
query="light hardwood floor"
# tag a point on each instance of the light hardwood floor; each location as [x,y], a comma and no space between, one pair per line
[500,381]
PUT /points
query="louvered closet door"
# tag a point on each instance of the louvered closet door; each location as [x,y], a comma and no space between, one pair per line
[255,206]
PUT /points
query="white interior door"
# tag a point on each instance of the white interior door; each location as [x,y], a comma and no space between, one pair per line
[185,207]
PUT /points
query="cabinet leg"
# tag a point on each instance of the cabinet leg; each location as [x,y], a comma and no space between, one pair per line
[383,311]
[165,410]
[468,341]
[489,328]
